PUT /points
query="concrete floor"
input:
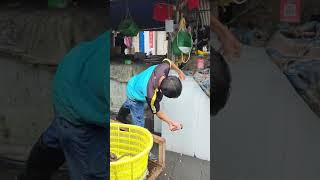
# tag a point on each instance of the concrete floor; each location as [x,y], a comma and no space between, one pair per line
[10,173]
[10,169]
[178,167]
[181,167]
[7,174]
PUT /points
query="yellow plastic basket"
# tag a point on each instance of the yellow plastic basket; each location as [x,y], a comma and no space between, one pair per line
[129,140]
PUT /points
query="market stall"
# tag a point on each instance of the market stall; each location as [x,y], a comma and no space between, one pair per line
[136,48]
[143,37]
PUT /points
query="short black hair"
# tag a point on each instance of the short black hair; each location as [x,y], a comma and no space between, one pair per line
[171,87]
[220,82]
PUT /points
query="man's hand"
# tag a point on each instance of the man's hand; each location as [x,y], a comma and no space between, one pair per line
[174,126]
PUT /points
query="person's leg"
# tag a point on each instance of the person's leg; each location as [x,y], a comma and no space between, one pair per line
[45,157]
[123,113]
[136,109]
[86,150]
[98,154]
[137,112]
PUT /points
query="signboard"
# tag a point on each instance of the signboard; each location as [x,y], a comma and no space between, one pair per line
[290,11]
[141,42]
[151,39]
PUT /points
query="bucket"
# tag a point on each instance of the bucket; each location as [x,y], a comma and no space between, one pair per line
[200,63]
[127,61]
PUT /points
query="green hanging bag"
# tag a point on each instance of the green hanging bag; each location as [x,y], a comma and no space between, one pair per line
[128,27]
[182,43]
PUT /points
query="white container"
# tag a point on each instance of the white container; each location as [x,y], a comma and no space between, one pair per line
[169,25]
[192,109]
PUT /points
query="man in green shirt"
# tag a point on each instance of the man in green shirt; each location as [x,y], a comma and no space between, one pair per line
[79,132]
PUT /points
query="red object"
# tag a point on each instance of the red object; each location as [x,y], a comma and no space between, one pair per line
[128,41]
[200,63]
[151,39]
[290,11]
[162,12]
[193,4]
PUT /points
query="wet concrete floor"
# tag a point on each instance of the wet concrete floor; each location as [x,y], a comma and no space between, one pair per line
[178,167]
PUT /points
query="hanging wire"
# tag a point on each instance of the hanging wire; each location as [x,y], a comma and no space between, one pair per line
[168,8]
[198,17]
[127,9]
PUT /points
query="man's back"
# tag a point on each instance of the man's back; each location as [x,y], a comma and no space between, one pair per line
[80,89]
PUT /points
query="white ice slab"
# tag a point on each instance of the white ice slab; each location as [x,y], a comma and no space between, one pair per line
[192,109]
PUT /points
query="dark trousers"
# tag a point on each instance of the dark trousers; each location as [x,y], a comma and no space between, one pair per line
[136,109]
[84,148]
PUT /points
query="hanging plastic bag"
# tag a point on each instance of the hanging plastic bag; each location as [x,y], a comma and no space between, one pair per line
[128,27]
[182,43]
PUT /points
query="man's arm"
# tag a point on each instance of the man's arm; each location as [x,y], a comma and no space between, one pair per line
[175,68]
[230,45]
[173,126]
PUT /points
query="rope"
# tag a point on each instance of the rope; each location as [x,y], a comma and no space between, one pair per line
[127,9]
